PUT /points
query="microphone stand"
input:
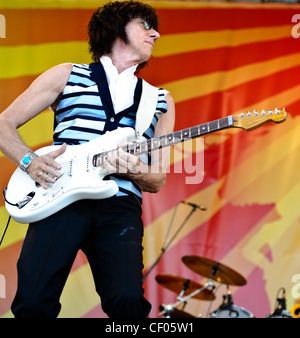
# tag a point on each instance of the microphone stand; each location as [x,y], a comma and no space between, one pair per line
[163,250]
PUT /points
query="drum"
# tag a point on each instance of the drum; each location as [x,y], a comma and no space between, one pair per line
[231,311]
[280,314]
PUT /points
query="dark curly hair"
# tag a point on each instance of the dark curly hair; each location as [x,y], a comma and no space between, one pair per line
[108,23]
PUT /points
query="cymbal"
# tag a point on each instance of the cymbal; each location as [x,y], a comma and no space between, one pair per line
[216,271]
[175,313]
[176,284]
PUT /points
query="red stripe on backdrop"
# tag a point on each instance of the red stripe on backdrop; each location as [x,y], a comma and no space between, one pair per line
[193,19]
[293,108]
[79,261]
[175,67]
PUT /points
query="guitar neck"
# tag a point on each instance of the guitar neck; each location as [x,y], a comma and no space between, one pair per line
[138,148]
[178,136]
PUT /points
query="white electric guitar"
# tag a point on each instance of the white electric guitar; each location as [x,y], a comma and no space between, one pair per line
[83,172]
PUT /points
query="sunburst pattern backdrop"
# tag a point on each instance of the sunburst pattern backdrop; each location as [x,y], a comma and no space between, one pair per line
[216,59]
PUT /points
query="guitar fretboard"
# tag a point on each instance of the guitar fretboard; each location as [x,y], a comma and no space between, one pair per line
[138,148]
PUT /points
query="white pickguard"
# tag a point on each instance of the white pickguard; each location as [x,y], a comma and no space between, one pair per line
[80,179]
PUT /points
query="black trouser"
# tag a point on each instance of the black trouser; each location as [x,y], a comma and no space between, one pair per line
[110,233]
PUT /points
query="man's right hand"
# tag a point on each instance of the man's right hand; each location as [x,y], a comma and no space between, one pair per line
[44,169]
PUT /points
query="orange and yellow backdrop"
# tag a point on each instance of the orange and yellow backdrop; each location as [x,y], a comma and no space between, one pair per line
[216,59]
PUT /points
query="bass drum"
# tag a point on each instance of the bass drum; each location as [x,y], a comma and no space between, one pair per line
[232,311]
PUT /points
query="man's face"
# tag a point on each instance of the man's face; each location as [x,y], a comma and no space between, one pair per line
[141,39]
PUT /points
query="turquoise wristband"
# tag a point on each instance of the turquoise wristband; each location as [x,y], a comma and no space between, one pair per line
[26,160]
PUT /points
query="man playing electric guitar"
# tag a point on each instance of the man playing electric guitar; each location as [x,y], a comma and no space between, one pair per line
[87,101]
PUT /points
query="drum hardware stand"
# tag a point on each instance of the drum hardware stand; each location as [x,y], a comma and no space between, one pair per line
[180,296]
[168,309]
[229,303]
[226,305]
[185,287]
[164,248]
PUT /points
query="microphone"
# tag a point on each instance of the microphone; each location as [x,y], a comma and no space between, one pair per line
[280,311]
[282,301]
[196,206]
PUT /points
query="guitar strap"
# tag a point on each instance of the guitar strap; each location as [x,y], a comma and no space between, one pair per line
[146,108]
[147,104]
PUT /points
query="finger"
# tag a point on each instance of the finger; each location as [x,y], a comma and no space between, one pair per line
[113,158]
[44,168]
[38,176]
[128,158]
[128,163]
[49,159]
[109,167]
[42,179]
[125,161]
[56,153]
[47,165]
[134,165]
[121,162]
[59,151]
[52,172]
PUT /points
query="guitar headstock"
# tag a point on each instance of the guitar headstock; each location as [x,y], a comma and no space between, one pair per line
[256,119]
